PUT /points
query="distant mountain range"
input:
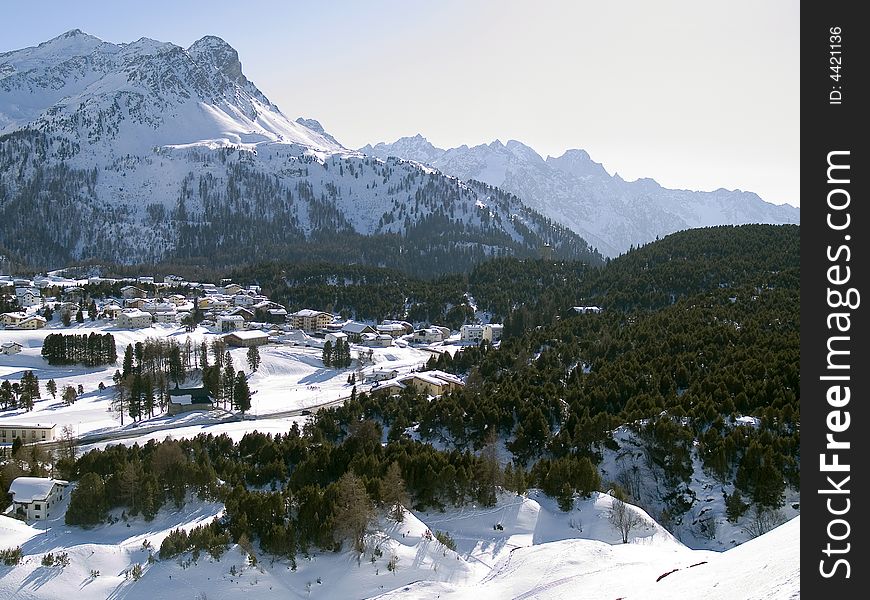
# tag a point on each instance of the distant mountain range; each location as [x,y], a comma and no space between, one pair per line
[610,213]
[148,152]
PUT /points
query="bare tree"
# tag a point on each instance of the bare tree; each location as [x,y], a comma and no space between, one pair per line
[353,510]
[393,493]
[68,442]
[623,519]
[763,520]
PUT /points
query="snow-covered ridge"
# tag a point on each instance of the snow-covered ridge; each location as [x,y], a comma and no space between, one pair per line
[539,552]
[143,94]
[610,213]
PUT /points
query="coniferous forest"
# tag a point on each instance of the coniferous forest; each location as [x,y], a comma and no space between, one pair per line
[699,333]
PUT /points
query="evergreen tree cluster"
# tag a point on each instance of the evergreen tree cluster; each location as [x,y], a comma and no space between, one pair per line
[91,350]
[21,394]
[338,356]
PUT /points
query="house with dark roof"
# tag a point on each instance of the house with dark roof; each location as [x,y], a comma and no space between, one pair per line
[189,399]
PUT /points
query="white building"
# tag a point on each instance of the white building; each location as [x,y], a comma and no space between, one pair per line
[334,336]
[134,319]
[28,296]
[29,434]
[167,316]
[392,329]
[8,348]
[36,498]
[429,335]
[585,310]
[227,323]
[492,332]
[471,333]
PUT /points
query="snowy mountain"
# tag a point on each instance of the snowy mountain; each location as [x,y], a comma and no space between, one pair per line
[147,152]
[609,212]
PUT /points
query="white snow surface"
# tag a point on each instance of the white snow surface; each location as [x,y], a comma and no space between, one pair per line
[289,379]
[540,552]
[143,95]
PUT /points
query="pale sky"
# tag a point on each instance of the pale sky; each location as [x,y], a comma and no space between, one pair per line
[695,94]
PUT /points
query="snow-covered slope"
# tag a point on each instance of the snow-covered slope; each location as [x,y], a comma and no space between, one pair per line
[140,95]
[610,213]
[147,151]
[539,552]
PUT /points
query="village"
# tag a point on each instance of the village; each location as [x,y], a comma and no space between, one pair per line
[291,380]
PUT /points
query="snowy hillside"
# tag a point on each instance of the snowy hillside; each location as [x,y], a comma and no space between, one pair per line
[147,151]
[610,213]
[539,552]
[141,95]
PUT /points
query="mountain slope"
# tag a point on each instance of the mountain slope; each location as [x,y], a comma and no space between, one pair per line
[609,212]
[147,152]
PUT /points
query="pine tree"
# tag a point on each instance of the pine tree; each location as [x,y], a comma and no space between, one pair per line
[228,382]
[327,354]
[241,393]
[253,358]
[69,395]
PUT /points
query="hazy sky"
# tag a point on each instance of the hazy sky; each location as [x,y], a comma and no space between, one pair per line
[695,94]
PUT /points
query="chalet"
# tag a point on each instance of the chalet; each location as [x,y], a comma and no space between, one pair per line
[145,279]
[471,333]
[429,335]
[492,332]
[177,299]
[585,310]
[445,331]
[266,305]
[32,322]
[33,498]
[433,383]
[189,399]
[381,375]
[232,289]
[354,330]
[407,327]
[12,319]
[173,280]
[136,303]
[156,307]
[276,315]
[165,316]
[130,291]
[227,323]
[28,296]
[309,320]
[334,337]
[70,308]
[8,348]
[247,315]
[72,293]
[246,339]
[111,310]
[376,340]
[134,319]
[391,329]
[243,299]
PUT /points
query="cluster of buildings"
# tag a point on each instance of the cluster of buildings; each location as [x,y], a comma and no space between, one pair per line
[228,308]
